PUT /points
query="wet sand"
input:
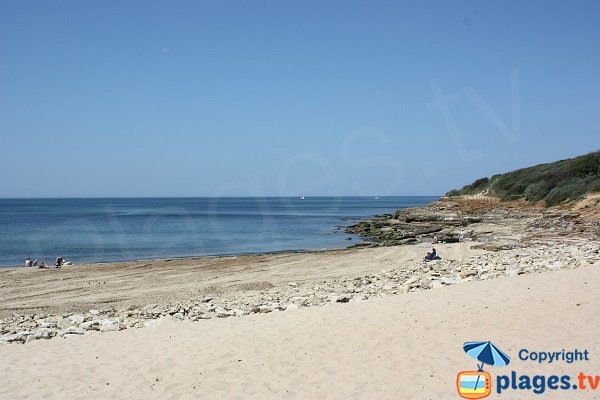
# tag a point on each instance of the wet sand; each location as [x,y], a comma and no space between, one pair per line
[134,284]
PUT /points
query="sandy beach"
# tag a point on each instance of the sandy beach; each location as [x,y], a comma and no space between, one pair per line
[299,200]
[401,347]
[365,323]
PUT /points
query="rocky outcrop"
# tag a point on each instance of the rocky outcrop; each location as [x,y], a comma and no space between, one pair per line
[491,224]
[411,225]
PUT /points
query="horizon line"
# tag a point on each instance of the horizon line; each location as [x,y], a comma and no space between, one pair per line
[208,197]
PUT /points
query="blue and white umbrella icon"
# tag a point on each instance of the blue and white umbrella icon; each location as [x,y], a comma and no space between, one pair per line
[487,353]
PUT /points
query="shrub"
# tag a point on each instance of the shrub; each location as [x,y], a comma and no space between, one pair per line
[595,186]
[537,191]
[480,184]
[560,194]
[555,182]
[509,197]
[586,165]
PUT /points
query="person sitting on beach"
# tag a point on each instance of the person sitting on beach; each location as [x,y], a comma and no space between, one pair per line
[59,261]
[435,240]
[28,262]
[432,255]
[43,265]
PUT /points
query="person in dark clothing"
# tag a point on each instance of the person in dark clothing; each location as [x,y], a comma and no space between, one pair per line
[433,255]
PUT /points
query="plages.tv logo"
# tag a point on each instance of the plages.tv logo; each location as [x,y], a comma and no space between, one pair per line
[478,384]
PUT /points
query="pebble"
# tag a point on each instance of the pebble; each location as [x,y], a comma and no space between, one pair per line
[110,325]
[90,325]
[71,331]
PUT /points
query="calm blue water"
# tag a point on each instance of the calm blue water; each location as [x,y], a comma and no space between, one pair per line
[86,230]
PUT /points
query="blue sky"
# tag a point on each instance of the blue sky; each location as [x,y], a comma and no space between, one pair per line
[142,98]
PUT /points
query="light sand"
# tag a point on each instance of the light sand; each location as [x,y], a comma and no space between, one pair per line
[401,347]
[121,285]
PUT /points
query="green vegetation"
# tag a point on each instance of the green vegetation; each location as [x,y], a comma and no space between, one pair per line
[553,183]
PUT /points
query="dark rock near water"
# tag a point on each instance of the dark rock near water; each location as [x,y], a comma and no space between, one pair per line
[410,225]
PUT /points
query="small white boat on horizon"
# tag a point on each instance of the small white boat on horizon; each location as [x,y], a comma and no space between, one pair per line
[302,197]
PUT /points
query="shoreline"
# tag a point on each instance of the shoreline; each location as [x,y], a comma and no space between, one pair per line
[499,242]
[181,258]
[206,274]
[366,241]
[193,228]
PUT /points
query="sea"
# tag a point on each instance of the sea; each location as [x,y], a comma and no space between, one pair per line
[117,229]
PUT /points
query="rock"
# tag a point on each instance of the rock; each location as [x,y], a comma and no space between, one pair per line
[94,312]
[47,324]
[528,270]
[64,323]
[291,307]
[110,325]
[555,266]
[223,313]
[449,281]
[265,309]
[76,319]
[137,324]
[43,333]
[239,312]
[71,332]
[468,273]
[179,316]
[90,325]
[18,337]
[411,280]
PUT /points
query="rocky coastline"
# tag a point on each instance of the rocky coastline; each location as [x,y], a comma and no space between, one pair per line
[517,240]
[492,224]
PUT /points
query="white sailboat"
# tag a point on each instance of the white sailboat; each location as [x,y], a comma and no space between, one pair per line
[302,197]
